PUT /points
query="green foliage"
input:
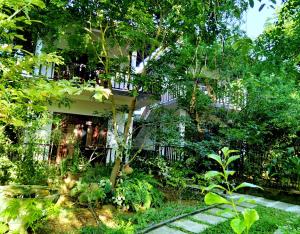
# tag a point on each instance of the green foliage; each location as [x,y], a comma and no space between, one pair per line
[27,214]
[73,163]
[91,193]
[291,226]
[138,192]
[34,172]
[249,216]
[7,170]
[94,174]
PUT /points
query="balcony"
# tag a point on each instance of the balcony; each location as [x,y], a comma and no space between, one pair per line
[120,84]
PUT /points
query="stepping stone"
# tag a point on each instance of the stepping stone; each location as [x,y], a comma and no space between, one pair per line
[247,204]
[189,225]
[220,212]
[238,208]
[281,205]
[166,230]
[209,218]
[266,202]
[294,209]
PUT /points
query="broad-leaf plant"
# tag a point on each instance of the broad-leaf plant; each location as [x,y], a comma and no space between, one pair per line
[241,223]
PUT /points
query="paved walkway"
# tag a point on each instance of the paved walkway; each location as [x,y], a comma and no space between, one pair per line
[197,223]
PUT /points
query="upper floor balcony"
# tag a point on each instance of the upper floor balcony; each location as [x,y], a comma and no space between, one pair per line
[121,83]
[224,101]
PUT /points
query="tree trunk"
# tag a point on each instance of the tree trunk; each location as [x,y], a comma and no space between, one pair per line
[117,166]
[115,171]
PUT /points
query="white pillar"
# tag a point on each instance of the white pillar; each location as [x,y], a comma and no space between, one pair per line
[42,139]
[182,114]
[43,69]
[112,139]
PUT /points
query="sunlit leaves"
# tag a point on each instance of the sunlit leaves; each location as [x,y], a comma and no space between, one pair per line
[247,185]
[211,174]
[237,225]
[250,217]
[213,198]
[216,158]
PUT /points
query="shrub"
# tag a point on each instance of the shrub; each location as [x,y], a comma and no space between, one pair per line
[91,193]
[95,173]
[27,214]
[7,170]
[31,171]
[137,192]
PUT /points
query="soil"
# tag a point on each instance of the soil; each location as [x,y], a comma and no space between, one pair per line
[73,219]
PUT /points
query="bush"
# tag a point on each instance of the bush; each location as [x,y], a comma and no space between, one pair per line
[27,214]
[31,171]
[137,192]
[91,193]
[7,170]
[96,173]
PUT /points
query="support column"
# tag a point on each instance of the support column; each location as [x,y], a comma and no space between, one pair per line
[111,138]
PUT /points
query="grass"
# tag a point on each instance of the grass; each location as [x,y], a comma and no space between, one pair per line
[269,221]
[132,222]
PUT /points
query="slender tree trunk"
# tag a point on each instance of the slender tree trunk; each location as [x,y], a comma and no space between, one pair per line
[118,161]
[115,171]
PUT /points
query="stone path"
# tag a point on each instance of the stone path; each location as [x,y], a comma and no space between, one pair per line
[197,223]
[269,203]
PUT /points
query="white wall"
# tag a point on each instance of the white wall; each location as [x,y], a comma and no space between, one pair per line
[111,138]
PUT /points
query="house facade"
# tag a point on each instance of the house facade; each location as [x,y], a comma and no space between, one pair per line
[86,123]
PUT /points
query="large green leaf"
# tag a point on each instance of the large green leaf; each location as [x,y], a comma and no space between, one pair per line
[211,174]
[212,186]
[237,225]
[247,185]
[212,198]
[228,173]
[231,159]
[250,217]
[226,151]
[216,158]
[3,228]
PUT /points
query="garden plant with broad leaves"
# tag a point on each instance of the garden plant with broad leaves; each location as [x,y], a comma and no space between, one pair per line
[240,223]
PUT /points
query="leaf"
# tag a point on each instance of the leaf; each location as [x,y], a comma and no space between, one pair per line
[247,185]
[250,217]
[216,158]
[237,225]
[228,173]
[226,151]
[241,199]
[251,3]
[3,228]
[231,159]
[98,96]
[261,7]
[211,174]
[212,198]
[212,186]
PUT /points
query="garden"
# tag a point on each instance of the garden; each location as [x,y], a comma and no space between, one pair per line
[149,117]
